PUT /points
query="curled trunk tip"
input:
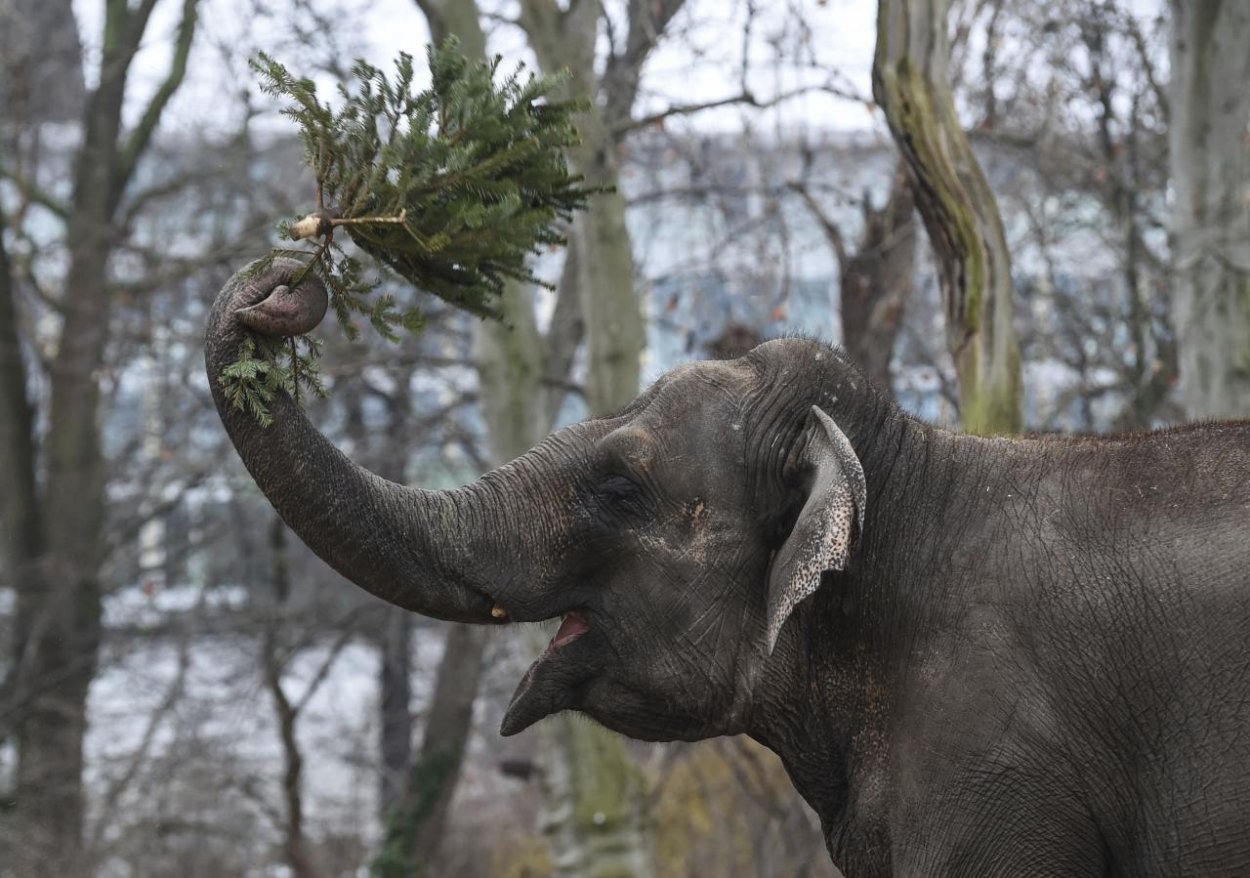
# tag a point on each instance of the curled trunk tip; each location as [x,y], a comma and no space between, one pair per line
[272,304]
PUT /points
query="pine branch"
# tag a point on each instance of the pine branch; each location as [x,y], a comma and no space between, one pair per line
[453,188]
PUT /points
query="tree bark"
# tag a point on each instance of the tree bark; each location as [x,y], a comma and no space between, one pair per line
[1209,154]
[596,815]
[458,18]
[22,547]
[394,708]
[395,722]
[564,337]
[416,825]
[911,83]
[19,500]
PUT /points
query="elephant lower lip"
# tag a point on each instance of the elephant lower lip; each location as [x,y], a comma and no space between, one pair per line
[554,681]
[573,626]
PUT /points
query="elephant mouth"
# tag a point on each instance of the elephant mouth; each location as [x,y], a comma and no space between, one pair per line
[552,682]
[572,626]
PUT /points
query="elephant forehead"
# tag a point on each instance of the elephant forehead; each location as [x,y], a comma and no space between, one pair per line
[685,420]
[734,375]
[698,393]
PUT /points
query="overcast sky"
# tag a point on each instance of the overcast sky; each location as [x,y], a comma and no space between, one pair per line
[700,61]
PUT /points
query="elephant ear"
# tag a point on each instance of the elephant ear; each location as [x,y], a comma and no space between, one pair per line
[821,538]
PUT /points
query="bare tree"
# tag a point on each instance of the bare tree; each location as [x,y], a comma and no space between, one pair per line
[55,561]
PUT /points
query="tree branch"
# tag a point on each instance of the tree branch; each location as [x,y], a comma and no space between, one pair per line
[32,193]
[134,24]
[327,663]
[157,192]
[1158,89]
[833,233]
[648,19]
[139,755]
[564,336]
[746,98]
[19,498]
[139,138]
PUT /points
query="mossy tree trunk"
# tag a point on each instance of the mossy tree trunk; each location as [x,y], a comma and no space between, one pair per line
[1209,154]
[911,83]
[416,824]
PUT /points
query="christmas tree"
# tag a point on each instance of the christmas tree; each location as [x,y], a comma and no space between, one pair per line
[452,188]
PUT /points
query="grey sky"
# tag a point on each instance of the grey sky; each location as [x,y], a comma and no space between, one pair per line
[700,62]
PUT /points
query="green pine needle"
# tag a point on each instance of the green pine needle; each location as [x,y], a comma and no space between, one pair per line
[267,366]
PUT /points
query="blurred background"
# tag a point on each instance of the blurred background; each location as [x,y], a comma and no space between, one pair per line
[185,690]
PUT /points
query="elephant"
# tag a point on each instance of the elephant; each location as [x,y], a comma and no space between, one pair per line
[974,656]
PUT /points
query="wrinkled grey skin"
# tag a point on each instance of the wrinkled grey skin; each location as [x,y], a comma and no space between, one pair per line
[1034,662]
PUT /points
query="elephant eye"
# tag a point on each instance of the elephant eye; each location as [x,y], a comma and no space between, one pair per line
[620,493]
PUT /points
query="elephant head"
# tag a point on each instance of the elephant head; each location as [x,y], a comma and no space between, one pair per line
[675,538]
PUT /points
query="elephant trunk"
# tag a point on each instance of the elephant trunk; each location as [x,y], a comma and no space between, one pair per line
[409,547]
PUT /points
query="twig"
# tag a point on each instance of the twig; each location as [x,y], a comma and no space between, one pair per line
[746,98]
[322,223]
